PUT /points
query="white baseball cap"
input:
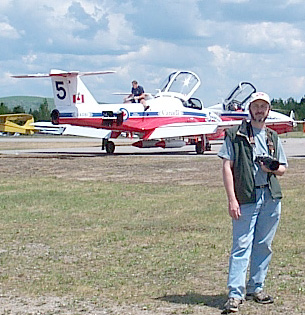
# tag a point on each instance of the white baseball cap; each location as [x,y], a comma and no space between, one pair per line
[260,96]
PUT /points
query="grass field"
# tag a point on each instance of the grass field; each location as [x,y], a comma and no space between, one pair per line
[133,235]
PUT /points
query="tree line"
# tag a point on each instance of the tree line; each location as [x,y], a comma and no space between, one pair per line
[41,114]
[290,105]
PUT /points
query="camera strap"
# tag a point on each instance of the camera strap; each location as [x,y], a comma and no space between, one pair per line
[251,135]
[269,142]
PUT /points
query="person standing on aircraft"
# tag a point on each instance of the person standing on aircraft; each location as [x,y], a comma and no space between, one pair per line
[137,95]
[254,200]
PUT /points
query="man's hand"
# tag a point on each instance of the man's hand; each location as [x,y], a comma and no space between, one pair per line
[234,209]
[279,172]
[264,168]
[233,205]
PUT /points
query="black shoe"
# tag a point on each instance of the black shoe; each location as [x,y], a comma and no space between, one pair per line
[231,305]
[260,297]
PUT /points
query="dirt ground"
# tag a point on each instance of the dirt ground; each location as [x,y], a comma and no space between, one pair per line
[129,169]
[152,168]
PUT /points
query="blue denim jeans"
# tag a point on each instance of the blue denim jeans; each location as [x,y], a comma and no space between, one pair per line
[253,233]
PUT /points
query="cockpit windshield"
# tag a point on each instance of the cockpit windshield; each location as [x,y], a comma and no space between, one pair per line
[166,82]
[184,83]
[238,99]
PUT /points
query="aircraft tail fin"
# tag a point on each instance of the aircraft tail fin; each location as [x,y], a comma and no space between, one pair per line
[68,89]
[292,115]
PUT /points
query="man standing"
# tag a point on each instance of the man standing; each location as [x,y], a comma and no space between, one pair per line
[252,158]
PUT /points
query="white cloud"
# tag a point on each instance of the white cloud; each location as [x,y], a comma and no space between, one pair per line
[4,4]
[278,36]
[118,35]
[72,27]
[30,58]
[7,31]
[226,60]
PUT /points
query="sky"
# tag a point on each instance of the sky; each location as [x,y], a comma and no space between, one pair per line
[223,41]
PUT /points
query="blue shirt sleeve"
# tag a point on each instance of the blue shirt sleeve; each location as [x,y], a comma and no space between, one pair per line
[226,151]
[281,156]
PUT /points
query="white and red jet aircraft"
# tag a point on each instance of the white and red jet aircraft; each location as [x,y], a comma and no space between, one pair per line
[236,107]
[173,119]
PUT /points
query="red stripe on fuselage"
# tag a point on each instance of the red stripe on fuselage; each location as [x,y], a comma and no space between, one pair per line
[138,124]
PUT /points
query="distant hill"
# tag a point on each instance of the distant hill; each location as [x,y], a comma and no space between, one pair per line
[27,102]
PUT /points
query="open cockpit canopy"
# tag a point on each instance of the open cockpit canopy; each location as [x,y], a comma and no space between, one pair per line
[239,98]
[181,84]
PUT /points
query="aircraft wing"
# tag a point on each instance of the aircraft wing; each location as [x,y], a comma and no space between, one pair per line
[19,117]
[229,123]
[49,128]
[17,123]
[182,130]
[121,93]
[87,132]
[60,73]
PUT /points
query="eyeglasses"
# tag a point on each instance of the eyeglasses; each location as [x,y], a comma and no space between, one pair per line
[262,106]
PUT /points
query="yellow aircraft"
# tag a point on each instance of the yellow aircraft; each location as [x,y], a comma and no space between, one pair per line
[17,123]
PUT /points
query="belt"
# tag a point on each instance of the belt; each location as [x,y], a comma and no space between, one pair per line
[262,186]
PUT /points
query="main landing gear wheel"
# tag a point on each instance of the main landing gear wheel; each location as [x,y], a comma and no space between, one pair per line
[199,147]
[55,117]
[208,147]
[110,147]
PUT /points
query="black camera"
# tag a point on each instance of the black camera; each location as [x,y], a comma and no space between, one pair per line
[269,162]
